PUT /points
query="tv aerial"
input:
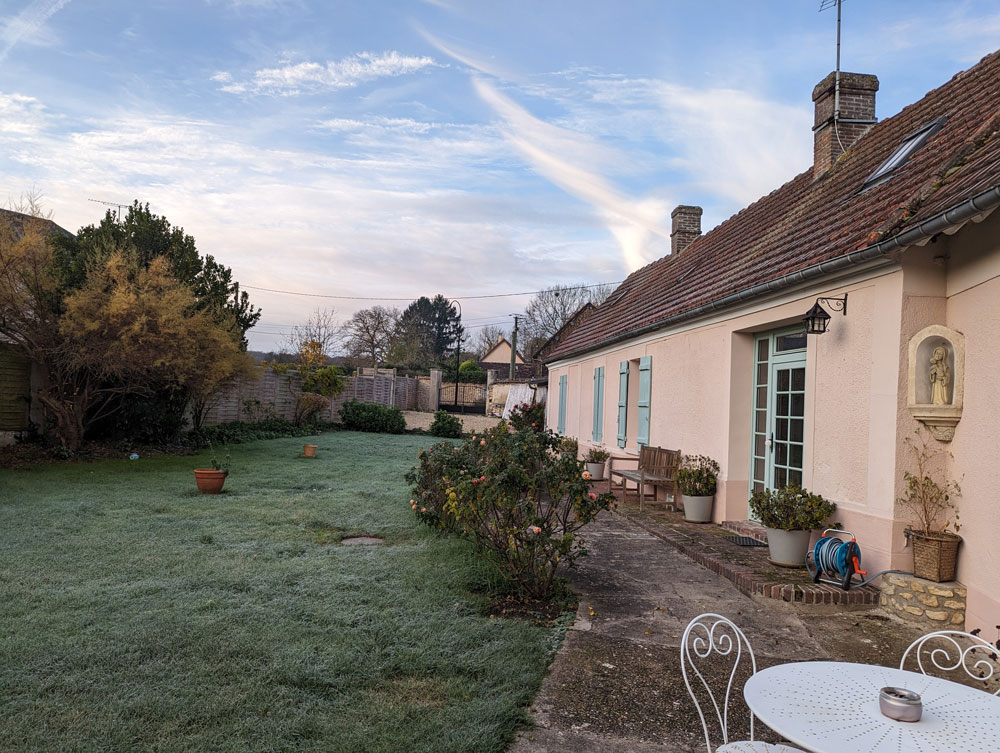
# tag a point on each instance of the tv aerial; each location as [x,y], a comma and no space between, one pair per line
[118,204]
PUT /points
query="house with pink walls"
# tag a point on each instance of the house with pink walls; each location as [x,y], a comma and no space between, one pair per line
[893,232]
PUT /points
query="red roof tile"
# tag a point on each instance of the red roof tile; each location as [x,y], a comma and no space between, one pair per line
[808,221]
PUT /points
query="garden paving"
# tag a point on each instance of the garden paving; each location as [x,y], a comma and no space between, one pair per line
[615,684]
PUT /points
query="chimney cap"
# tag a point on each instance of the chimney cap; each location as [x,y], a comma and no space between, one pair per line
[856,81]
[686,209]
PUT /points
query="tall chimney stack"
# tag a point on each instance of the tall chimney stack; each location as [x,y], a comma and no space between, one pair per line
[857,115]
[685,227]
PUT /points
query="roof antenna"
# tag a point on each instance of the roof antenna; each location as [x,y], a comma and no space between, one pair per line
[824,5]
[120,206]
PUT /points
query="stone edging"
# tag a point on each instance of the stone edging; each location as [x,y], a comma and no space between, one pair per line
[749,582]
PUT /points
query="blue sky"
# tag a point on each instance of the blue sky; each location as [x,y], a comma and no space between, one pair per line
[391,149]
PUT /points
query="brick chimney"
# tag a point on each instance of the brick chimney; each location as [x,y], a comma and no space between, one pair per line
[857,115]
[685,227]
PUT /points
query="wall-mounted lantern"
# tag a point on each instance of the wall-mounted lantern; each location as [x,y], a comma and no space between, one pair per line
[817,320]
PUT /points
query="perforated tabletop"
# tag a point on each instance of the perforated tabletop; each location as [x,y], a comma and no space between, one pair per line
[832,707]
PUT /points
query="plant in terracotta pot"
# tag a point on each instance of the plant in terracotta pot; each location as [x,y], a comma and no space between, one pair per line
[697,479]
[210,480]
[929,504]
[789,515]
[595,460]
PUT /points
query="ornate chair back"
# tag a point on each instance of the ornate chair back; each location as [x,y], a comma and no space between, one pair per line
[709,635]
[954,650]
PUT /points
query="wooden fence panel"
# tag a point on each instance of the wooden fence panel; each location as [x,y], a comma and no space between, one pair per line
[275,395]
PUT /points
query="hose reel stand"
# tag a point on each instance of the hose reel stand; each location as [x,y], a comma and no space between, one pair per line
[835,560]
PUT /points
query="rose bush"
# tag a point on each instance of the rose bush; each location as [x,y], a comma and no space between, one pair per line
[527,416]
[515,496]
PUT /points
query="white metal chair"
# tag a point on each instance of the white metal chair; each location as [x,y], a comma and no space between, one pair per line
[949,650]
[709,634]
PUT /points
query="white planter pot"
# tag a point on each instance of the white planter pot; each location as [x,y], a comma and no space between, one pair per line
[788,548]
[596,471]
[698,509]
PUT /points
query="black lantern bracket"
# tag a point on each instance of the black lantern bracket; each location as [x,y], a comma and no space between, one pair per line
[817,319]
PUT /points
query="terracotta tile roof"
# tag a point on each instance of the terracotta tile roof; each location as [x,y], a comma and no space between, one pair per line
[808,221]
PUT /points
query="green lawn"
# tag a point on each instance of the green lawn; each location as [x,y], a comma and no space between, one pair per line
[139,615]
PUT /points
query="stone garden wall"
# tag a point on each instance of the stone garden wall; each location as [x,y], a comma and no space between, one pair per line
[940,606]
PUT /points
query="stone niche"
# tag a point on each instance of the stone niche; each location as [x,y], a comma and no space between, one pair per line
[936,381]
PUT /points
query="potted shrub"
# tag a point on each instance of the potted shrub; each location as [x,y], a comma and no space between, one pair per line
[595,460]
[789,515]
[210,480]
[929,505]
[697,478]
[569,446]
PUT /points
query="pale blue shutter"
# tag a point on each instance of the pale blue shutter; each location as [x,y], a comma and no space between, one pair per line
[598,433]
[645,379]
[561,427]
[622,401]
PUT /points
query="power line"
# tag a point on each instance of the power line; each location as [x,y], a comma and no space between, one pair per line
[461,297]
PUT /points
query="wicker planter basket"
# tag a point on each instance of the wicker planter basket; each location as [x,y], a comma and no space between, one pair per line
[935,555]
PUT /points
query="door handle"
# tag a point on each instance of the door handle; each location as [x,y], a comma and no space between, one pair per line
[768,443]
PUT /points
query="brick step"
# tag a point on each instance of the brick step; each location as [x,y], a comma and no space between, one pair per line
[749,571]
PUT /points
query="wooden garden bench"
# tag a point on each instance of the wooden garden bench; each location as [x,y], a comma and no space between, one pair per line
[656,468]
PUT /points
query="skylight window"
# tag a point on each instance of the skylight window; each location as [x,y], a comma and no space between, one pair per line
[903,153]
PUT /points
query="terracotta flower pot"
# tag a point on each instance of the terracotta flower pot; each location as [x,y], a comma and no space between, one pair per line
[309,450]
[209,480]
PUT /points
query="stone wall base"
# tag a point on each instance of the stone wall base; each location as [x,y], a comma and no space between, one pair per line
[940,606]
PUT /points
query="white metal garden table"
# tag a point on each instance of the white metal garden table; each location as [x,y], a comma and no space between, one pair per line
[833,707]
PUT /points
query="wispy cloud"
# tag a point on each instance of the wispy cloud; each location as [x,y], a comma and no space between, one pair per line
[26,24]
[295,78]
[20,114]
[562,156]
[382,124]
[574,162]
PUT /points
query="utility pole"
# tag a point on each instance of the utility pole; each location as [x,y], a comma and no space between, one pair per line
[458,348]
[513,348]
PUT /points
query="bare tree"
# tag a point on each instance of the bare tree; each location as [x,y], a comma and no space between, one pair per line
[552,307]
[29,203]
[369,333]
[486,337]
[321,327]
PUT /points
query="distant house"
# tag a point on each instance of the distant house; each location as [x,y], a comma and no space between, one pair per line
[706,349]
[497,358]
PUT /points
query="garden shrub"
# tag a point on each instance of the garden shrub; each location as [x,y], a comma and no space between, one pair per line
[515,496]
[446,425]
[307,405]
[470,371]
[791,508]
[527,416]
[373,417]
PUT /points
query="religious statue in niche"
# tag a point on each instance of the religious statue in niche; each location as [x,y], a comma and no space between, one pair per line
[936,389]
[940,376]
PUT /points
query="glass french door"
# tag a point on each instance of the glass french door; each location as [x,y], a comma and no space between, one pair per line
[778,442]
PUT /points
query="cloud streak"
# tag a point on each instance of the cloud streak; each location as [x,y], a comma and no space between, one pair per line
[292,79]
[28,23]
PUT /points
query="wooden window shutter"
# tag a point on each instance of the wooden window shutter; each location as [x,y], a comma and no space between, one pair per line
[598,432]
[645,383]
[622,401]
[561,426]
